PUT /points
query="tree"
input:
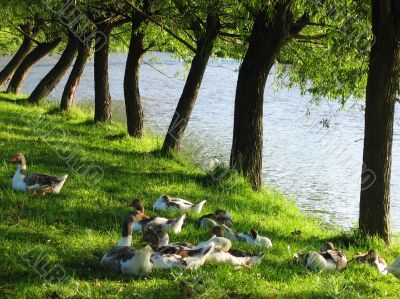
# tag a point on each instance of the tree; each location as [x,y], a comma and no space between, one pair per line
[268,36]
[53,77]
[105,16]
[67,98]
[34,56]
[310,38]
[133,105]
[29,31]
[205,32]
[382,88]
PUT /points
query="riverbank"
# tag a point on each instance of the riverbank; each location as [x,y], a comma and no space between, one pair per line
[51,246]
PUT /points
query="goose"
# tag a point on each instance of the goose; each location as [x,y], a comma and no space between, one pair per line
[165,202]
[327,259]
[254,239]
[175,255]
[174,224]
[125,259]
[184,259]
[219,216]
[395,268]
[221,243]
[372,258]
[222,229]
[37,183]
[157,238]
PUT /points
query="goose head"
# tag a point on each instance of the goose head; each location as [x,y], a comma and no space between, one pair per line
[222,214]
[166,198]
[327,246]
[254,233]
[156,236]
[218,231]
[301,258]
[371,255]
[137,204]
[129,220]
[19,159]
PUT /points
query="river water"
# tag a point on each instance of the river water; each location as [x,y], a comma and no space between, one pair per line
[318,167]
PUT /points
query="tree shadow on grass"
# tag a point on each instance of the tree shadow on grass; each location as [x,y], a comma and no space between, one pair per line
[5,97]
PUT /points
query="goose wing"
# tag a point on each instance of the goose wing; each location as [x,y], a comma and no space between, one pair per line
[337,256]
[39,180]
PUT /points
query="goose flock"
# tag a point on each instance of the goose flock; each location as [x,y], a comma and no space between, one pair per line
[159,253]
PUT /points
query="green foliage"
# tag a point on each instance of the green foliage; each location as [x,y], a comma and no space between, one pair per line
[334,66]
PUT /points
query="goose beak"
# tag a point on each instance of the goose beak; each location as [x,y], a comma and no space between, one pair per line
[144,217]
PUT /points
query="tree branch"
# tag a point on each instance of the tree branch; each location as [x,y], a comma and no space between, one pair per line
[309,37]
[169,31]
[297,26]
[27,35]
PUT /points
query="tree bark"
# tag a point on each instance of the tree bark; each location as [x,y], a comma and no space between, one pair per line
[133,105]
[102,111]
[34,56]
[67,99]
[382,88]
[53,77]
[24,49]
[266,40]
[204,47]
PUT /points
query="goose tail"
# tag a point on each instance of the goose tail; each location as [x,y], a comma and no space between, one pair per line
[197,208]
[194,262]
[176,224]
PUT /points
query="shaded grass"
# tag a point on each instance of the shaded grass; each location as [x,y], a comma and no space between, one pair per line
[75,228]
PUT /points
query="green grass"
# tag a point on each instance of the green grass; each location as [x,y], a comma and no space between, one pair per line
[72,230]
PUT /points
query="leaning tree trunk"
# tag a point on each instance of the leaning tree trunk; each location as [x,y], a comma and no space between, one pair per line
[133,105]
[102,107]
[266,40]
[176,130]
[53,77]
[26,46]
[67,99]
[34,56]
[382,88]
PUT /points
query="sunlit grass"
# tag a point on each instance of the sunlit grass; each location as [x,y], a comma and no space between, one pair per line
[75,228]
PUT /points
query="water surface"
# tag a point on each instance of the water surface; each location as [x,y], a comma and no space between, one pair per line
[318,167]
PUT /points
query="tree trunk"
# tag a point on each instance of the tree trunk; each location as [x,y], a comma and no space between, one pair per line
[19,56]
[67,99]
[174,136]
[102,110]
[266,40]
[133,105]
[34,56]
[53,77]
[382,88]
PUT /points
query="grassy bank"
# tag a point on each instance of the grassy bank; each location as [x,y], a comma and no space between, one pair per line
[41,237]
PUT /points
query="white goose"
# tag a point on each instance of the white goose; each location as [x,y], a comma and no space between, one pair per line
[175,224]
[34,182]
[328,259]
[158,239]
[254,239]
[125,259]
[221,243]
[177,255]
[165,202]
[373,259]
